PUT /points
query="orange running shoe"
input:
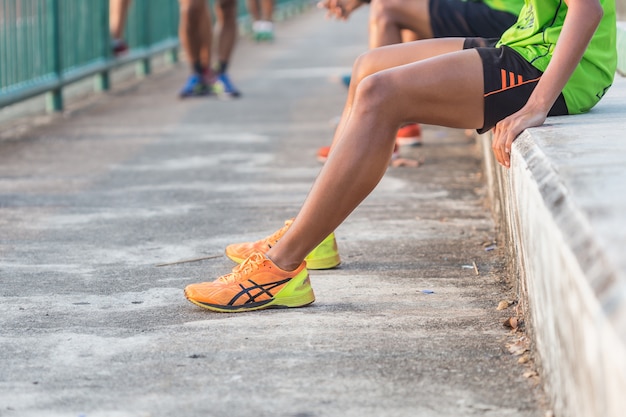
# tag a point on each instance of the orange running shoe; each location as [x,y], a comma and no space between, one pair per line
[322,153]
[256,284]
[324,256]
[409,135]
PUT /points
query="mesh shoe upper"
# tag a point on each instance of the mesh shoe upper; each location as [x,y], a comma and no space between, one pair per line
[195,86]
[225,87]
[240,251]
[323,256]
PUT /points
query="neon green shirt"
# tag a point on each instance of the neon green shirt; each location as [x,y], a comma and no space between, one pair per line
[534,37]
[511,6]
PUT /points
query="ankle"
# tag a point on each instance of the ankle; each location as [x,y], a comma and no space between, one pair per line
[285,265]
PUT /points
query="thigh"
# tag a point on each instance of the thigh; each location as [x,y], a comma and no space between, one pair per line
[390,56]
[509,80]
[445,90]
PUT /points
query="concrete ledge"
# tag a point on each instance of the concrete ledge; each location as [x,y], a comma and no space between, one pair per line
[561,211]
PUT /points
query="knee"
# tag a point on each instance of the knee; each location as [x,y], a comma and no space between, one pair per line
[374,93]
[362,67]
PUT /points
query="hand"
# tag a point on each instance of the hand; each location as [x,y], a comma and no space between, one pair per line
[583,18]
[509,128]
[339,9]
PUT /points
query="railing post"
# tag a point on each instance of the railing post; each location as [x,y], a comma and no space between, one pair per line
[143,66]
[171,56]
[54,98]
[102,79]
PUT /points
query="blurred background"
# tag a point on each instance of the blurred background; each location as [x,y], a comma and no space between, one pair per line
[46,45]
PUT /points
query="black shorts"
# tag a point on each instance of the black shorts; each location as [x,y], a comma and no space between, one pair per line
[509,81]
[466,19]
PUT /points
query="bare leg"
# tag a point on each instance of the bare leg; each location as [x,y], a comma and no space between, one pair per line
[445,90]
[267,10]
[388,18]
[206,36]
[391,57]
[262,12]
[118,10]
[226,14]
[408,35]
[253,9]
[195,32]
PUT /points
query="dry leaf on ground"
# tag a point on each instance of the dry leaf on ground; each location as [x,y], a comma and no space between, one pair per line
[519,347]
[511,323]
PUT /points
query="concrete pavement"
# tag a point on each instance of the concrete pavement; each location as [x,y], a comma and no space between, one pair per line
[91,203]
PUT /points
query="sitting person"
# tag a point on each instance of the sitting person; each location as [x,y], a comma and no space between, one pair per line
[558,59]
[396,21]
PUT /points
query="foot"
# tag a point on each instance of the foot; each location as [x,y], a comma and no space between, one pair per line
[195,86]
[119,47]
[263,30]
[256,284]
[324,256]
[224,87]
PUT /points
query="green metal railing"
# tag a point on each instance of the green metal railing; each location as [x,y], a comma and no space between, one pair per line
[47,44]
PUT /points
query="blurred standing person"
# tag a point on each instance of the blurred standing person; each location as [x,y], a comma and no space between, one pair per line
[196,36]
[262,13]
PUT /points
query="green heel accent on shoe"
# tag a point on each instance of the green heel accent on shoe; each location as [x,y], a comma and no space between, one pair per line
[297,293]
[325,255]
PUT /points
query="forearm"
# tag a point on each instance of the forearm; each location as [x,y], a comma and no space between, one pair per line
[579,25]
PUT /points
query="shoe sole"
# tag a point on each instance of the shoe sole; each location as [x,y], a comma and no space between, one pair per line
[301,295]
[323,263]
[264,38]
[183,96]
[223,94]
[228,96]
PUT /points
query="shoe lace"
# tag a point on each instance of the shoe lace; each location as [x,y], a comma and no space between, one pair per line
[244,269]
[271,240]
